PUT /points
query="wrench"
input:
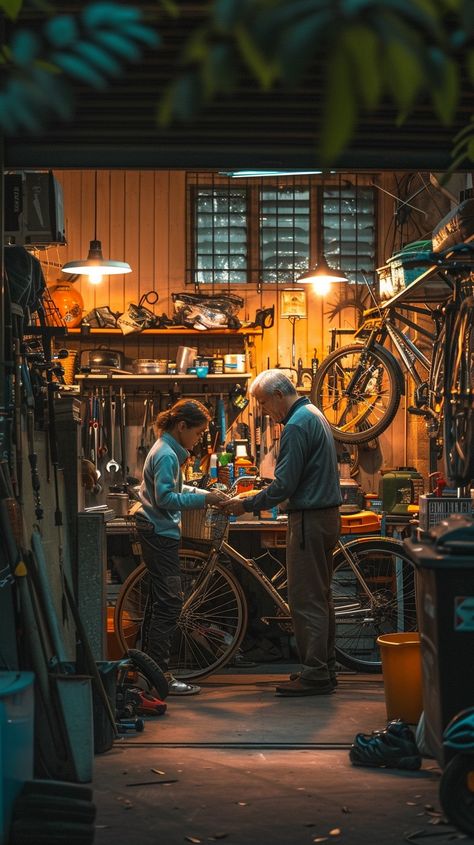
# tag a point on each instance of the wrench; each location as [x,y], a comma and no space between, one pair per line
[112,465]
[95,428]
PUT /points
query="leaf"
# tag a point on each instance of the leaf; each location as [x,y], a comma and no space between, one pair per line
[470,65]
[182,100]
[25,47]
[361,44]
[143,34]
[11,8]
[62,30]
[170,8]
[77,68]
[118,44]
[300,45]
[403,74]
[445,96]
[259,64]
[227,13]
[340,108]
[218,71]
[97,15]
[97,57]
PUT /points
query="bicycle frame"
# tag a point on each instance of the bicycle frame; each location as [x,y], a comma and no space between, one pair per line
[250,565]
[383,326]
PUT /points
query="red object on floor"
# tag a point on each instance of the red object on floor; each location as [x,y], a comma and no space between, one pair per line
[149,705]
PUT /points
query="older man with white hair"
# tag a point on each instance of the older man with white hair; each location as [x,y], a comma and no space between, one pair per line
[307,481]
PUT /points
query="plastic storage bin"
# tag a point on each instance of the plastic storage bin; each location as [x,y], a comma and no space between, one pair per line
[445,587]
[16,740]
[401,668]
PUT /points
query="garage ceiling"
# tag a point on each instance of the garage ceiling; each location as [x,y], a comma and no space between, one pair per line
[275,130]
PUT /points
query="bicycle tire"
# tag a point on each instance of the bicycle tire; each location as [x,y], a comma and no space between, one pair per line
[458,417]
[150,671]
[208,635]
[389,575]
[368,420]
[456,792]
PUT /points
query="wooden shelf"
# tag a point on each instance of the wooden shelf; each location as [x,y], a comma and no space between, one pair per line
[173,331]
[137,377]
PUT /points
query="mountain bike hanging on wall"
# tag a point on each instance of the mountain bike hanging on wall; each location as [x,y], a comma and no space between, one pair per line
[373,591]
[358,387]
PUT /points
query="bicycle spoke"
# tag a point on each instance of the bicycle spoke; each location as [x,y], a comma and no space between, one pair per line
[357,391]
[383,603]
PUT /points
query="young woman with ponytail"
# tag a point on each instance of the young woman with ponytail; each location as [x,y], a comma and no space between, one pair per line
[163,496]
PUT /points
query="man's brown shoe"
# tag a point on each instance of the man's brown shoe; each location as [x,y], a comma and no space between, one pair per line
[332,678]
[298,686]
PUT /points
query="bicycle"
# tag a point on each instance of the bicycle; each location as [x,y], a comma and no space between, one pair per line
[358,387]
[373,590]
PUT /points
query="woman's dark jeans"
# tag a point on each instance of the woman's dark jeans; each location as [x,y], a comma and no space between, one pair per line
[165,598]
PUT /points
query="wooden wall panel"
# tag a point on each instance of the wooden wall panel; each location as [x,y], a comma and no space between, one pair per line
[141,218]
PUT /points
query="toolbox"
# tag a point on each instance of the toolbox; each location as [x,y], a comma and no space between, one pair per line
[363,522]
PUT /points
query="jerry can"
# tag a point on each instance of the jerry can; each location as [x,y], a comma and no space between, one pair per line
[399,488]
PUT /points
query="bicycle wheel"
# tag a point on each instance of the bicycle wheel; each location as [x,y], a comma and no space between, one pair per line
[150,671]
[211,626]
[358,392]
[456,792]
[381,602]
[458,422]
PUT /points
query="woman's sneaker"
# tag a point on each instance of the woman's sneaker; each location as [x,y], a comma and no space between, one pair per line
[177,687]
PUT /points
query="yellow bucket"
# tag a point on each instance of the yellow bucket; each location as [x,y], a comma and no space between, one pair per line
[401,668]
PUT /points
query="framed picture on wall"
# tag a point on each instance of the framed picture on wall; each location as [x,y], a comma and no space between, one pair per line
[293,303]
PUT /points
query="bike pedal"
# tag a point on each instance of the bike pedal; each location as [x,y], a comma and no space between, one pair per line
[418,412]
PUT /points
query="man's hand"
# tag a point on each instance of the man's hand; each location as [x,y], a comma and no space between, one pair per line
[234,506]
[216,497]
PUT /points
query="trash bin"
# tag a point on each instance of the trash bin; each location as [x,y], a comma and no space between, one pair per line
[444,563]
[16,740]
[401,668]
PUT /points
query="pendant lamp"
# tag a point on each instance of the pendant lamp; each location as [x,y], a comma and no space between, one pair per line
[95,265]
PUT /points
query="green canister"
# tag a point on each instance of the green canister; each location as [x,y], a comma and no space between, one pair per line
[399,488]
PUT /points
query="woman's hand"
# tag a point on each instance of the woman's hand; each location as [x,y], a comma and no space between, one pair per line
[216,497]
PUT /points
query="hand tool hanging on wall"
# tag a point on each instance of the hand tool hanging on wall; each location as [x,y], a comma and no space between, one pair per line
[95,433]
[141,449]
[30,437]
[102,441]
[112,465]
[123,445]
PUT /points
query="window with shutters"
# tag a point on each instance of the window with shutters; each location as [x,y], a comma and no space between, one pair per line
[220,236]
[270,234]
[348,230]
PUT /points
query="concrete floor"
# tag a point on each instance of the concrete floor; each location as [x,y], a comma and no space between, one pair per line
[238,763]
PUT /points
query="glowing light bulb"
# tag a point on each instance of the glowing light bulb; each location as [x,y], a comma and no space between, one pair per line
[95,275]
[321,286]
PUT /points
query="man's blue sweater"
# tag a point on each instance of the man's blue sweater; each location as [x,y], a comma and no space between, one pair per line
[306,473]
